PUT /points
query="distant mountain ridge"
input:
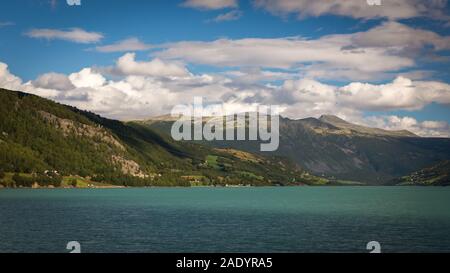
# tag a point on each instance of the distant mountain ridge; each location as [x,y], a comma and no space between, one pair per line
[334,148]
[338,125]
[344,125]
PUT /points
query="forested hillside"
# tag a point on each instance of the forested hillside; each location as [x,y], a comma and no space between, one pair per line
[436,175]
[39,137]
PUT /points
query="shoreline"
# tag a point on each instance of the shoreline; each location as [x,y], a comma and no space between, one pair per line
[223,187]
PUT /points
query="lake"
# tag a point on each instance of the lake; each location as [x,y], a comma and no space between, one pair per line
[272,219]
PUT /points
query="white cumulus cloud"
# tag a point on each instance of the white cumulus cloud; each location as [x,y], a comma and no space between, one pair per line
[53,81]
[402,93]
[76,35]
[131,44]
[8,80]
[87,78]
[128,65]
[368,55]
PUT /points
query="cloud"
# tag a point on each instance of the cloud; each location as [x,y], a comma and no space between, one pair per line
[127,65]
[424,128]
[229,16]
[402,93]
[76,35]
[306,98]
[53,81]
[131,44]
[87,78]
[287,53]
[131,96]
[142,90]
[6,24]
[8,80]
[210,4]
[368,55]
[397,35]
[310,98]
[254,75]
[391,9]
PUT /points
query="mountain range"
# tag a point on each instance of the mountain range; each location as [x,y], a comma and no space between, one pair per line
[39,136]
[334,148]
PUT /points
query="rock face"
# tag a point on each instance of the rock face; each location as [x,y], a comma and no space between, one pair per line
[129,167]
[70,127]
[97,134]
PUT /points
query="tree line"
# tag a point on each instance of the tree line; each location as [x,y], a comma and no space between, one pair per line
[43,180]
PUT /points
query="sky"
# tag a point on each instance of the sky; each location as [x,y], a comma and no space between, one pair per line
[384,65]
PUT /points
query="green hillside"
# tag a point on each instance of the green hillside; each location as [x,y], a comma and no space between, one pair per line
[38,137]
[436,175]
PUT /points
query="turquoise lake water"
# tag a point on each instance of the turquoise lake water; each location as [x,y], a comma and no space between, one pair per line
[291,219]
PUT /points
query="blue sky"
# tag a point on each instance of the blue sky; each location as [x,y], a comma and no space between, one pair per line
[346,58]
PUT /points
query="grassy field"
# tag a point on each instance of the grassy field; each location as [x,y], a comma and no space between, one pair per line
[211,160]
[252,175]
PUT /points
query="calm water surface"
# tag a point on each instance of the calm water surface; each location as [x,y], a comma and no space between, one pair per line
[292,219]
